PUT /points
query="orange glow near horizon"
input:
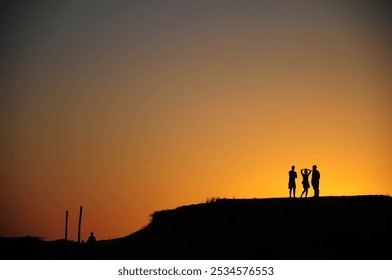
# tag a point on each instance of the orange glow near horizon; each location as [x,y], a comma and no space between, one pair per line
[132,110]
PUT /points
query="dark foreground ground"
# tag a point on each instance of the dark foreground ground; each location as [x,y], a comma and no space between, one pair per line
[355,227]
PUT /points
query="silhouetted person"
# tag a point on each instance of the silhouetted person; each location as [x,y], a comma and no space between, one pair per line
[305,181]
[292,176]
[316,181]
[90,253]
[91,239]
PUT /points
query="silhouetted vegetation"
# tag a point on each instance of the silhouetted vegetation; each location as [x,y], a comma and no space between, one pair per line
[352,227]
[212,199]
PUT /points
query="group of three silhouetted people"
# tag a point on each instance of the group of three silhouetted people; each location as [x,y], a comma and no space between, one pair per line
[305,181]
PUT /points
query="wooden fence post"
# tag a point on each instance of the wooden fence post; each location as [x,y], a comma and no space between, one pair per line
[66,225]
[80,223]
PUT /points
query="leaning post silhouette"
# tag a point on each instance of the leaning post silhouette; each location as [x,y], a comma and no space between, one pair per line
[66,225]
[80,222]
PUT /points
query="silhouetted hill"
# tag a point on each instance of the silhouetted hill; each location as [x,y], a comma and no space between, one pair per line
[355,227]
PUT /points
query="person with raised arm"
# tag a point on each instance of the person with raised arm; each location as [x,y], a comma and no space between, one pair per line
[305,181]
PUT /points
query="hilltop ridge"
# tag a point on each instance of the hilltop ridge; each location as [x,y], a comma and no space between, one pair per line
[351,227]
[347,227]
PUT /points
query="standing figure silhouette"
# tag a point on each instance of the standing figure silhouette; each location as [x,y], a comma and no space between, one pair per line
[305,181]
[91,239]
[292,176]
[316,181]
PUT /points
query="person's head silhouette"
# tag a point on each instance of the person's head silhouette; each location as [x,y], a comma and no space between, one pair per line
[292,167]
[91,238]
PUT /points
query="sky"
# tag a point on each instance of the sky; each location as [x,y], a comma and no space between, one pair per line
[131,107]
